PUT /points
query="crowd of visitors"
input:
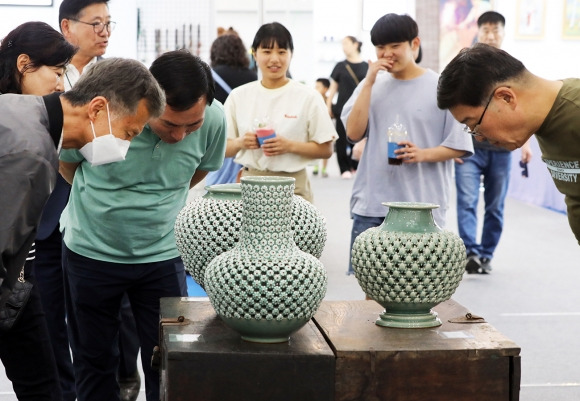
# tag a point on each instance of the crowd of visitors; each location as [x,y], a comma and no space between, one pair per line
[100,157]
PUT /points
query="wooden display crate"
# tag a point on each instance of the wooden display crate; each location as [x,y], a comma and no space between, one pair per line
[204,360]
[452,362]
[340,355]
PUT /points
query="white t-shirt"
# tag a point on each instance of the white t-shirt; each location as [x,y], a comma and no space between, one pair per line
[415,102]
[295,111]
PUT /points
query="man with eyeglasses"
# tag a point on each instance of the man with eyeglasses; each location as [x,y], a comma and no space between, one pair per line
[503,103]
[490,163]
[86,24]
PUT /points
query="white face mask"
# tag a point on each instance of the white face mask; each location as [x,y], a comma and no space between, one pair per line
[106,148]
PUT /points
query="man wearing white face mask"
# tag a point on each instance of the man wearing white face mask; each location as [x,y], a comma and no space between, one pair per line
[105,149]
[118,224]
[32,129]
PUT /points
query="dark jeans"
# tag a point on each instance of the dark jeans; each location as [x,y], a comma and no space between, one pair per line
[26,353]
[49,278]
[96,290]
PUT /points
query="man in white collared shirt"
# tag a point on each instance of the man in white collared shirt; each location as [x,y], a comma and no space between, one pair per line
[86,24]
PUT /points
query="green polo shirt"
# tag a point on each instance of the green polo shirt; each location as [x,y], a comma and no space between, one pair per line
[124,212]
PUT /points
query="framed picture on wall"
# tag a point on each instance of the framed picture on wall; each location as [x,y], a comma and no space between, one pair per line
[25,2]
[531,17]
[571,24]
[458,26]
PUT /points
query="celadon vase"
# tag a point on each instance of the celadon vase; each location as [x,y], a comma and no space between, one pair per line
[408,265]
[210,225]
[266,288]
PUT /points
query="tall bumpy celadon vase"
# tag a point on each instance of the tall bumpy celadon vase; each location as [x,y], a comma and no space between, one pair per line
[408,265]
[266,288]
[210,225]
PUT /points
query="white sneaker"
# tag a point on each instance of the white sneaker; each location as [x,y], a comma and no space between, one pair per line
[347,175]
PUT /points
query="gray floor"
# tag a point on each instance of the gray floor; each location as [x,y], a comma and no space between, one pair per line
[531,296]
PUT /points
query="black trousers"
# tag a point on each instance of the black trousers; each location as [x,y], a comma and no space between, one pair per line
[342,146]
[49,278]
[96,290]
[26,352]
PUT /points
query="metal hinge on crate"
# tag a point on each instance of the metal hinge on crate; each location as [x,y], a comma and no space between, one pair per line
[167,321]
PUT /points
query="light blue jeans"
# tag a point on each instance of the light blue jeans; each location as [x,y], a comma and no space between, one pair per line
[494,166]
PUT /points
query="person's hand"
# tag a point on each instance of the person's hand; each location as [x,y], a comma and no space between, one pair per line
[382,64]
[410,153]
[526,153]
[458,160]
[249,141]
[276,146]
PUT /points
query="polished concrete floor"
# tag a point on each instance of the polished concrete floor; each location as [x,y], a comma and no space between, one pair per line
[531,296]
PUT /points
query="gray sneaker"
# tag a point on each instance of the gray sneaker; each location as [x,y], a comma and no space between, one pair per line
[473,264]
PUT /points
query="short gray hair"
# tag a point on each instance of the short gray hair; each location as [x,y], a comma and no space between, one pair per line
[123,82]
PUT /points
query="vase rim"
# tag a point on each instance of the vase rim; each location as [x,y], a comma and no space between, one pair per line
[267,180]
[233,188]
[410,205]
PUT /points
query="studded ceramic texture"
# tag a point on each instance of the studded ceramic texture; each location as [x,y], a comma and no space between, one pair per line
[411,268]
[207,227]
[266,277]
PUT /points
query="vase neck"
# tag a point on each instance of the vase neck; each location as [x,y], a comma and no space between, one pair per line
[410,220]
[267,216]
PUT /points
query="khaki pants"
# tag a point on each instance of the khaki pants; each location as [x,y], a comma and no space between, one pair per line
[302,188]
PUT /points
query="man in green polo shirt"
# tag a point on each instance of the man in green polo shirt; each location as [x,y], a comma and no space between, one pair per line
[118,224]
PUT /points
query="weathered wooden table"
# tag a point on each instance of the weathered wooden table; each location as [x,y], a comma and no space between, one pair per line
[340,355]
[204,360]
[452,362]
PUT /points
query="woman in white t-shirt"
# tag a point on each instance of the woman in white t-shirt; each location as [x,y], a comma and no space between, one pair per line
[303,130]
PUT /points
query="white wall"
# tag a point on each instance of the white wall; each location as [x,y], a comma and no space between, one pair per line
[552,56]
[124,12]
[310,21]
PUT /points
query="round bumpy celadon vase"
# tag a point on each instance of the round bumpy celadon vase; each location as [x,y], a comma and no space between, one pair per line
[408,265]
[210,225]
[266,288]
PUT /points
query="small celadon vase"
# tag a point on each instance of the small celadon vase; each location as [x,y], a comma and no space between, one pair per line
[266,288]
[210,225]
[408,265]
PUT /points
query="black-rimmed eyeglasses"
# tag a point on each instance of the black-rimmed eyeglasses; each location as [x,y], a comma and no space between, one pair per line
[98,27]
[475,130]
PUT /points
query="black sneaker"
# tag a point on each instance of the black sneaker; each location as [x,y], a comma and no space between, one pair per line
[473,264]
[129,387]
[485,265]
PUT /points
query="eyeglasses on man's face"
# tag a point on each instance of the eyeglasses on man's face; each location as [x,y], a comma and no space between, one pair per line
[475,131]
[98,27]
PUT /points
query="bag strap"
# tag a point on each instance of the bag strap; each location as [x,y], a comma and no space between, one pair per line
[221,82]
[351,72]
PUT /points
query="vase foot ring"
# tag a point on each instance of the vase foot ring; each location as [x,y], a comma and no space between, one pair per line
[408,320]
[269,340]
